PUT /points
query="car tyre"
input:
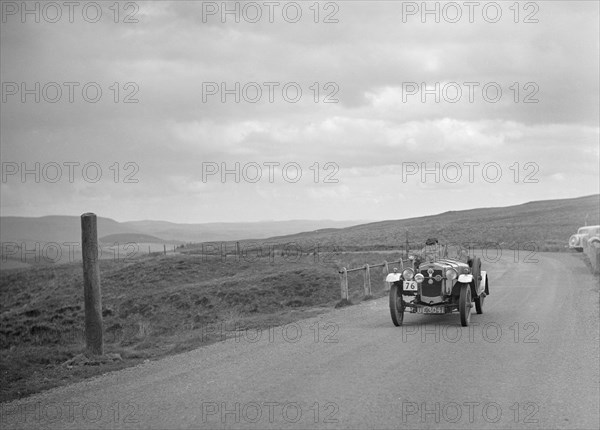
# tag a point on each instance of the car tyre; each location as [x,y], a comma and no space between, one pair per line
[464,305]
[396,304]
[476,271]
[479,303]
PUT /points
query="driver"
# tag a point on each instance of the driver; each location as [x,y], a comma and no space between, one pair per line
[430,252]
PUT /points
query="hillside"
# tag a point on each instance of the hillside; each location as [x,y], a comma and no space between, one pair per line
[547,223]
[207,232]
[54,228]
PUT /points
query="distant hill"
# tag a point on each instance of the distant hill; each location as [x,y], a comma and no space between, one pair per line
[62,228]
[122,238]
[225,231]
[547,223]
[55,228]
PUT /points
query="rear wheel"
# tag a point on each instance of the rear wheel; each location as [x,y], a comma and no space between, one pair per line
[396,304]
[479,303]
[476,271]
[464,304]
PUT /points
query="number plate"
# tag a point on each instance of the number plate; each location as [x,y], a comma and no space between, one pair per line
[431,310]
[410,286]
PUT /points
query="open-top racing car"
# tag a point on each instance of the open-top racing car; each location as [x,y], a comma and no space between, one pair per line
[436,284]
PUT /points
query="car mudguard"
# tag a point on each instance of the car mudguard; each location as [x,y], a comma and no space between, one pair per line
[483,285]
[392,277]
[487,285]
[465,278]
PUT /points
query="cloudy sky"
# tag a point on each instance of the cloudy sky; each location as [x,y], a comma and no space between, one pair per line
[335,110]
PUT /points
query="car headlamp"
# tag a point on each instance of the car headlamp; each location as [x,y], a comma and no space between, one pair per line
[407,274]
[419,277]
[451,274]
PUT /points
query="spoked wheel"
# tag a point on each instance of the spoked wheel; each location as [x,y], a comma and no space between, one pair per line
[396,304]
[479,303]
[476,271]
[464,305]
[480,299]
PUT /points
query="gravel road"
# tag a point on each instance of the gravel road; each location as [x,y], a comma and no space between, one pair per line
[531,360]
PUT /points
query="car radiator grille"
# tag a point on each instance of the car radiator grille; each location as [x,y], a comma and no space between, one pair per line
[432,286]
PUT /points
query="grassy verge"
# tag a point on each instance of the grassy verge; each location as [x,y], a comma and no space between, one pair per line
[157,306]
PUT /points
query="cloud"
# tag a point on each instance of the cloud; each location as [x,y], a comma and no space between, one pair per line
[366,63]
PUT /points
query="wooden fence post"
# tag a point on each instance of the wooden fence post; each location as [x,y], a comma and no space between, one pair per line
[344,283]
[367,283]
[386,270]
[164,249]
[91,285]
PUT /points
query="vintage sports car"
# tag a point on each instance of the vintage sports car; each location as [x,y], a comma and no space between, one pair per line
[590,233]
[438,286]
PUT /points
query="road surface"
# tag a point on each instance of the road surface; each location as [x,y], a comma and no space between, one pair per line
[530,361]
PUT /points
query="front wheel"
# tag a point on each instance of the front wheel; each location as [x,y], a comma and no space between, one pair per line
[464,305]
[396,304]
